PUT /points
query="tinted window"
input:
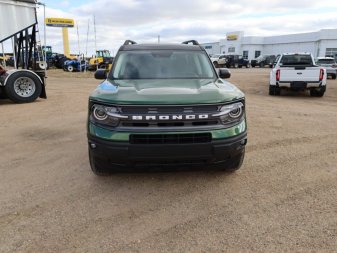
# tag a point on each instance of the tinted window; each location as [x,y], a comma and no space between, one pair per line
[162,64]
[297,59]
[257,54]
[326,61]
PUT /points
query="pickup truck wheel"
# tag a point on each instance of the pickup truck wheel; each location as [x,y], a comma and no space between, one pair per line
[274,91]
[23,87]
[318,93]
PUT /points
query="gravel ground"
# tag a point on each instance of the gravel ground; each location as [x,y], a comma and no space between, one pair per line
[283,199]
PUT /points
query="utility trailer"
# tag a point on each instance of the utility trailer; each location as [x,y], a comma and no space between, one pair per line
[18,23]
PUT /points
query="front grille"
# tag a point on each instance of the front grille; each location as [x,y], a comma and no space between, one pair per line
[170,138]
[168,111]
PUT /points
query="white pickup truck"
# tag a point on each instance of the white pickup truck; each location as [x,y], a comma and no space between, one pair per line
[297,71]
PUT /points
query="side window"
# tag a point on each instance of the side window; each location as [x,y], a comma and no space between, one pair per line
[257,53]
[331,52]
[245,54]
[231,50]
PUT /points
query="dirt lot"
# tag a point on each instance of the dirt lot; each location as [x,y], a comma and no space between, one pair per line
[284,198]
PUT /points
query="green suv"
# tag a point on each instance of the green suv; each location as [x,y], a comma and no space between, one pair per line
[165,105]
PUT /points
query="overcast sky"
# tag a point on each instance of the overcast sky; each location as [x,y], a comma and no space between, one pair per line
[178,20]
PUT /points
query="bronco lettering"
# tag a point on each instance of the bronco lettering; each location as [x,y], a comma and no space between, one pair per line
[171,117]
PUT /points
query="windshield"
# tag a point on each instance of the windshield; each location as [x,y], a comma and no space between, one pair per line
[296,59]
[326,61]
[162,64]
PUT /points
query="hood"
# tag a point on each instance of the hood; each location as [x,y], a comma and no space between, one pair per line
[161,91]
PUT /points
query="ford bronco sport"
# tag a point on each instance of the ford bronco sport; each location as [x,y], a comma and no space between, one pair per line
[165,105]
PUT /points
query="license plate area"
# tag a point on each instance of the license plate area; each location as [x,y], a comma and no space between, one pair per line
[298,85]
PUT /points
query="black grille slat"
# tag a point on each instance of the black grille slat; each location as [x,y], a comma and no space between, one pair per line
[170,138]
[126,123]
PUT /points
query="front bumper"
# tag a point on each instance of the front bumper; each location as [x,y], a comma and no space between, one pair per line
[115,150]
[107,154]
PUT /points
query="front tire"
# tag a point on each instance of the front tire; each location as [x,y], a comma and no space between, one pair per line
[236,163]
[23,87]
[96,168]
[70,68]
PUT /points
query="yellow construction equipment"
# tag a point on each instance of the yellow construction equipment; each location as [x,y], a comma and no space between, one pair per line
[102,60]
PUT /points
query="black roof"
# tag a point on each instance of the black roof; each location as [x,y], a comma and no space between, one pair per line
[160,47]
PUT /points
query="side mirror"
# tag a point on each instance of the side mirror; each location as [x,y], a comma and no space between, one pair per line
[100,74]
[224,73]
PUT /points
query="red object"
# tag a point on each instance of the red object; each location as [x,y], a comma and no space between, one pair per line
[321,74]
[2,70]
[278,74]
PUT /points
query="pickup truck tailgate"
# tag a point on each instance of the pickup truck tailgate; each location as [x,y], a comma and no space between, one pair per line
[308,74]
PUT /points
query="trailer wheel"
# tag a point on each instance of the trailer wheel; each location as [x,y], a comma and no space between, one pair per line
[23,87]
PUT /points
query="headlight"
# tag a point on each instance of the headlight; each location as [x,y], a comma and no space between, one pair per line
[231,113]
[100,113]
[106,115]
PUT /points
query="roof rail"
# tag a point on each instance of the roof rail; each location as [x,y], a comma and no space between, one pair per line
[129,42]
[194,42]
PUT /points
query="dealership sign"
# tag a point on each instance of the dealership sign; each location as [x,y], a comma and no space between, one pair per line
[59,22]
[232,37]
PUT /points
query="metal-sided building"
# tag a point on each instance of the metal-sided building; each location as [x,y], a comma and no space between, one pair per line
[320,44]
